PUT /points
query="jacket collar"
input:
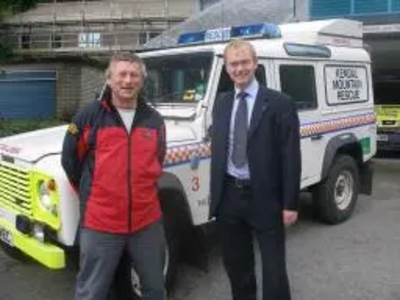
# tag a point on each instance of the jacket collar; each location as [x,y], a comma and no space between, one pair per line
[107,104]
[260,106]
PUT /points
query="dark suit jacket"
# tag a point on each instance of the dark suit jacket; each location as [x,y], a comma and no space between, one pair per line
[273,150]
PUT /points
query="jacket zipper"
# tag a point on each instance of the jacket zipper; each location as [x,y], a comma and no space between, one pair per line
[129,183]
[130,188]
[129,175]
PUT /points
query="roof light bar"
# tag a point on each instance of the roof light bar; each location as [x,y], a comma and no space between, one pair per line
[262,30]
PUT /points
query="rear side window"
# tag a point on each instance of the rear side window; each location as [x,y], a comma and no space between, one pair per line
[225,83]
[299,83]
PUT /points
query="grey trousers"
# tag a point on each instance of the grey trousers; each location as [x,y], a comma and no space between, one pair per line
[101,252]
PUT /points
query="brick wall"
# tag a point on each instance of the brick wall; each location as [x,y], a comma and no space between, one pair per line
[92,81]
[68,89]
[77,85]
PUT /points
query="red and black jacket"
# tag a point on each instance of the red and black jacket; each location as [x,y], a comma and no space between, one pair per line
[115,172]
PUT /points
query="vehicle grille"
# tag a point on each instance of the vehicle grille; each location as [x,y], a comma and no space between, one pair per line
[389,123]
[14,188]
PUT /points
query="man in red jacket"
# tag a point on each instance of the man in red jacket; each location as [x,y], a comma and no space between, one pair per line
[113,154]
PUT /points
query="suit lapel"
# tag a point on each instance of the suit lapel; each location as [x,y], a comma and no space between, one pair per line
[260,106]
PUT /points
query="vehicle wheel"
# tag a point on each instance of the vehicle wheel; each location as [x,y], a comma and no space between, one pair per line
[171,261]
[335,197]
[15,253]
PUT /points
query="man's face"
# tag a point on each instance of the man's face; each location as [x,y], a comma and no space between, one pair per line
[241,66]
[125,80]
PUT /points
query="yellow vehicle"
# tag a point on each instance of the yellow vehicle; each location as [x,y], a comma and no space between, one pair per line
[387,109]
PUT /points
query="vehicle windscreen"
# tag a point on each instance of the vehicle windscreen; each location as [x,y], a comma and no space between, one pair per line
[177,79]
[387,92]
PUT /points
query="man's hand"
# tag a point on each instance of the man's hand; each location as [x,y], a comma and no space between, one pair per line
[289,217]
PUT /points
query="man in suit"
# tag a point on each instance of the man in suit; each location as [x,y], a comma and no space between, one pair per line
[255,176]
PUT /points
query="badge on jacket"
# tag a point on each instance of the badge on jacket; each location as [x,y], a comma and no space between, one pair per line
[146,134]
[73,129]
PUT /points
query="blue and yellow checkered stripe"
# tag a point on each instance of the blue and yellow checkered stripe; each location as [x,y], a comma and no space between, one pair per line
[185,153]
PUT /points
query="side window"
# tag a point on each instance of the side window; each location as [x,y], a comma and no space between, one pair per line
[299,83]
[226,84]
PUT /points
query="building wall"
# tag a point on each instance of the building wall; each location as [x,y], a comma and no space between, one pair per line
[68,89]
[302,10]
[105,10]
[203,4]
[90,27]
[92,81]
[298,7]
[94,25]
[322,9]
[77,84]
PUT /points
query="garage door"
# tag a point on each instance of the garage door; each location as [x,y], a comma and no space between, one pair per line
[27,95]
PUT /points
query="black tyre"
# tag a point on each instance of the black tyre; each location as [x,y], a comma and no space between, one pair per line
[172,257]
[335,197]
[15,253]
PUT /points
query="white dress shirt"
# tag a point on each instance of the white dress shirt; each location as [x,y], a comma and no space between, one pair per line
[252,91]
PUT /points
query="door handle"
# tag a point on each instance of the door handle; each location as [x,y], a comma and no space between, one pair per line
[317,137]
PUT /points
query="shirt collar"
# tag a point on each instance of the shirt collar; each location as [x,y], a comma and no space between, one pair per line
[251,90]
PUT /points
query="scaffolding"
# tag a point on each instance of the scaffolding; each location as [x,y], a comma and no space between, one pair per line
[92,26]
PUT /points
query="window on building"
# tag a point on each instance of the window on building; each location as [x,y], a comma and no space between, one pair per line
[323,8]
[299,83]
[145,36]
[370,6]
[203,4]
[26,41]
[153,34]
[56,41]
[340,8]
[89,40]
[142,38]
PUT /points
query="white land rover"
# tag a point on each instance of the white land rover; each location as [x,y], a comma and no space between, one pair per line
[321,64]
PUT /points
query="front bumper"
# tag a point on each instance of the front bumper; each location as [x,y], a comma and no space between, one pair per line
[47,254]
[388,141]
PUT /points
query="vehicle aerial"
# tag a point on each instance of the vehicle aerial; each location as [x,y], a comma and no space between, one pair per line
[322,65]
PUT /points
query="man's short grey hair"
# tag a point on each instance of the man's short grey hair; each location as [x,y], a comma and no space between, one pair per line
[127,57]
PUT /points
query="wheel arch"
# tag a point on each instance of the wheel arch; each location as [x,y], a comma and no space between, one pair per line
[177,214]
[173,199]
[346,143]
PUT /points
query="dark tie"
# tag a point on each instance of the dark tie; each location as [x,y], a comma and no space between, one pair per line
[239,155]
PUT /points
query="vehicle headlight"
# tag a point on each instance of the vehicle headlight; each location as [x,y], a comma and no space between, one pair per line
[45,188]
[38,232]
[45,200]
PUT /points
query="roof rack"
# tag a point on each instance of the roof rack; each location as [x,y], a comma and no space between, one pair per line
[337,32]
